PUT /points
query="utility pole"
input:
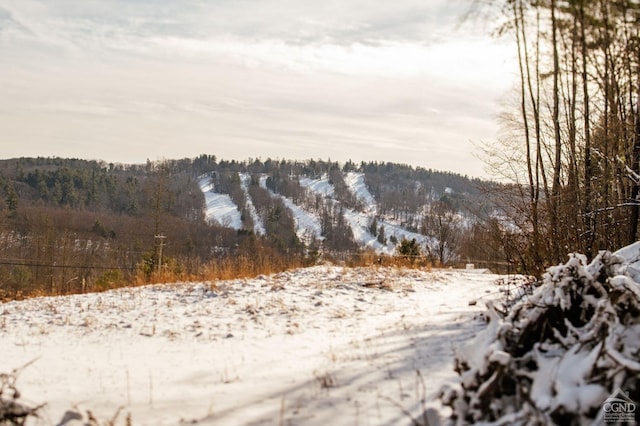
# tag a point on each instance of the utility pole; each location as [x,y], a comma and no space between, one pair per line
[160,237]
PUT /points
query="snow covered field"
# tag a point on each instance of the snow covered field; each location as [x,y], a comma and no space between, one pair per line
[315,346]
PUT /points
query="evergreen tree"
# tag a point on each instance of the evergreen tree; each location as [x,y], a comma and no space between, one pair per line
[408,248]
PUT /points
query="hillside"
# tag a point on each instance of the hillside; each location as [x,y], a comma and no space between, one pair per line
[73,225]
[309,227]
[345,207]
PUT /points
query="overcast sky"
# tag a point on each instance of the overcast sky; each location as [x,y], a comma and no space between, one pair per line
[130,80]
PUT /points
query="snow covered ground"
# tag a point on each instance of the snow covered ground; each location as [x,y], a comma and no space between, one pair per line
[318,186]
[356,184]
[219,207]
[258,226]
[315,346]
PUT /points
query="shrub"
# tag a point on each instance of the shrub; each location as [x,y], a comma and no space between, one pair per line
[559,353]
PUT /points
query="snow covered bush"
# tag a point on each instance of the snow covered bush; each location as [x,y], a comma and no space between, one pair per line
[560,352]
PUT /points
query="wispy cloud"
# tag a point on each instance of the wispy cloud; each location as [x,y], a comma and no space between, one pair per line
[343,79]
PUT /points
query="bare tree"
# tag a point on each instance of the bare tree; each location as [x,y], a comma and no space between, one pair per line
[442,223]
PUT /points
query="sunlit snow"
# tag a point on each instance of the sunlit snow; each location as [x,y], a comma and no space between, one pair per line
[258,226]
[318,186]
[219,207]
[316,346]
[308,226]
[358,187]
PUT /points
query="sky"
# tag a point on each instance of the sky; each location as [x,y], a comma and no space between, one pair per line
[406,81]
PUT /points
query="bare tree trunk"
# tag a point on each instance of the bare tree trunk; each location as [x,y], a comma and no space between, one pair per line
[635,208]
[606,116]
[575,224]
[525,76]
[588,172]
[555,189]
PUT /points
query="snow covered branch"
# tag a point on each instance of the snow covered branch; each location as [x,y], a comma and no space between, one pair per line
[558,355]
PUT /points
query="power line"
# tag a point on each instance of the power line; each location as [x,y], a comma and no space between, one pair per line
[12,262]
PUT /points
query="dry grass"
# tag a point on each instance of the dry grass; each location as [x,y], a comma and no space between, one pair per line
[224,268]
[369,258]
[324,379]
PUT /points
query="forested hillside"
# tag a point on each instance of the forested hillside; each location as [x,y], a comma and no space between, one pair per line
[72,225]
